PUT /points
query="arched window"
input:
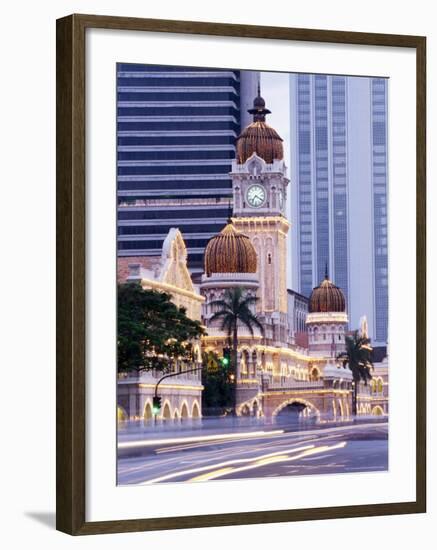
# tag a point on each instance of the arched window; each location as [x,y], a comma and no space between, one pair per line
[269,258]
[166,413]
[148,412]
[315,374]
[121,414]
[196,410]
[184,411]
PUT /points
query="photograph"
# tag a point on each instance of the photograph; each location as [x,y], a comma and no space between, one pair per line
[252,274]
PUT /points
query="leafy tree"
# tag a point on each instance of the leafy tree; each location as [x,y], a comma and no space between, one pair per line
[358,357]
[234,309]
[217,395]
[153,333]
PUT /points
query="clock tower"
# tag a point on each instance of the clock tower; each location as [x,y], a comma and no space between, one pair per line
[259,185]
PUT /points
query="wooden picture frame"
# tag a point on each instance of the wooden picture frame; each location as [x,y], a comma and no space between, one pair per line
[71,253]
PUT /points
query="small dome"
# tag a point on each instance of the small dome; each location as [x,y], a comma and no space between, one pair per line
[326,298]
[262,139]
[230,252]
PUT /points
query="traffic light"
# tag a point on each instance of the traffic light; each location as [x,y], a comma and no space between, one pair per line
[156,404]
[226,359]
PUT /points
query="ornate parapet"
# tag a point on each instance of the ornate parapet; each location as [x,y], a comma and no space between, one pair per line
[327,317]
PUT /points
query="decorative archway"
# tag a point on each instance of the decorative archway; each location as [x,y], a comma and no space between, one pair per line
[311,407]
[196,410]
[166,411]
[378,411]
[184,411]
[147,413]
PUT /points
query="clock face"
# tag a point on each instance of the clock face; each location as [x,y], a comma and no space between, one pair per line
[256,196]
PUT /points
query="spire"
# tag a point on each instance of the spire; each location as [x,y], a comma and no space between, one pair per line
[259,110]
[229,212]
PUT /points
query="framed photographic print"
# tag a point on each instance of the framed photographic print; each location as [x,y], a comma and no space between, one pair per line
[241,274]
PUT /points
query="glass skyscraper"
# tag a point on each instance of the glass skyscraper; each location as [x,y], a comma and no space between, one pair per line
[176,132]
[339,177]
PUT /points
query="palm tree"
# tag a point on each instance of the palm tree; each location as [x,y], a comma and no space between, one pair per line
[358,357]
[235,310]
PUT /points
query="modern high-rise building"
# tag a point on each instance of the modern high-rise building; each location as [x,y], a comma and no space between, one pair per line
[339,177]
[176,132]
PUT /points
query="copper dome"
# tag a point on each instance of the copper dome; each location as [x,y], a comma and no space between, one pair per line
[262,139]
[230,252]
[326,298]
[259,137]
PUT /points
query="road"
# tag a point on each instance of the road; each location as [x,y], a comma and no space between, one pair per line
[258,453]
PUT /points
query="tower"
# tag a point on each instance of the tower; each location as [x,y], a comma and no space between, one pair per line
[230,261]
[327,319]
[339,128]
[259,185]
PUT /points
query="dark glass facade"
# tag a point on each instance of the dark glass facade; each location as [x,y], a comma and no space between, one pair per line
[176,132]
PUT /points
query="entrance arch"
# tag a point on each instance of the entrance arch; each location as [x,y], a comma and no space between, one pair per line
[297,403]
[377,411]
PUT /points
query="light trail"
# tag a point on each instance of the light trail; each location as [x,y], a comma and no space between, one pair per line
[221,465]
[263,462]
[198,445]
[193,439]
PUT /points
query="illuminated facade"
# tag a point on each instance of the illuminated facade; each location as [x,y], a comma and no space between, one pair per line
[274,372]
[181,395]
[277,371]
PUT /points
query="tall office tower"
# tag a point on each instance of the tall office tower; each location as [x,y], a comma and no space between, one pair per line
[339,177]
[176,133]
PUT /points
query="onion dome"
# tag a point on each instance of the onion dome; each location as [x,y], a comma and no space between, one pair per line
[259,137]
[326,298]
[230,252]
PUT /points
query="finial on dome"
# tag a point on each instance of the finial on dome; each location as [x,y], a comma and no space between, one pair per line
[326,270]
[259,110]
